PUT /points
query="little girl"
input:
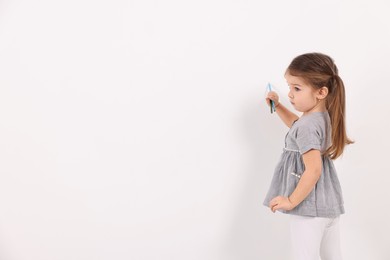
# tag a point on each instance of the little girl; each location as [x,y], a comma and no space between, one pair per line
[305,183]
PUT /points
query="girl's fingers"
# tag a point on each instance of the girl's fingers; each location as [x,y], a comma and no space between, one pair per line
[273,205]
[268,99]
[271,98]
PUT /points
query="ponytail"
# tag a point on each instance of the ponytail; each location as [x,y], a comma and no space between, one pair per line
[335,104]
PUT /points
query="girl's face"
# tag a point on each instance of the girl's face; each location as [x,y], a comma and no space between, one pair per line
[304,97]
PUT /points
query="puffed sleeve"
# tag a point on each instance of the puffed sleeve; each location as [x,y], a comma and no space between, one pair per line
[308,137]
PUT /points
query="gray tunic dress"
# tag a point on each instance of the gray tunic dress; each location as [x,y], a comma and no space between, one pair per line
[311,131]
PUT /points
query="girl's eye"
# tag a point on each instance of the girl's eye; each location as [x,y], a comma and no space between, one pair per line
[296,88]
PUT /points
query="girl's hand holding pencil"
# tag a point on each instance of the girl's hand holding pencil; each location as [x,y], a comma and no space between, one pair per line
[272,98]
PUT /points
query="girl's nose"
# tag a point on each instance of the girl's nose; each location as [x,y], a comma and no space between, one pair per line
[290,95]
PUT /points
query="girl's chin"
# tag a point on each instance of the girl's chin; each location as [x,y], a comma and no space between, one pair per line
[293,104]
[298,109]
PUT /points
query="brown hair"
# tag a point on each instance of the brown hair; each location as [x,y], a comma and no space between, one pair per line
[319,70]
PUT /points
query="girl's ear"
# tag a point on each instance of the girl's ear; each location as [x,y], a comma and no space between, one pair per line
[322,93]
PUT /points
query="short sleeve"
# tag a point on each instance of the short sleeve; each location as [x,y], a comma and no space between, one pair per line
[308,137]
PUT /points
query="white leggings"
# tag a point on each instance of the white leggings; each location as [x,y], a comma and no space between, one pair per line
[312,237]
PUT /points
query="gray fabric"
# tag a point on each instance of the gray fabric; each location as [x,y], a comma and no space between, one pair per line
[310,131]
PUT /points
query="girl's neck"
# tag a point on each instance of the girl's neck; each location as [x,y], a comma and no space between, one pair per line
[315,109]
[320,107]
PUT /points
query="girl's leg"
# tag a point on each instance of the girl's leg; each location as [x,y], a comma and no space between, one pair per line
[330,244]
[306,235]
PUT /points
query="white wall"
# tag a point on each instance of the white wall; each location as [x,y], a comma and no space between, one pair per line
[137,129]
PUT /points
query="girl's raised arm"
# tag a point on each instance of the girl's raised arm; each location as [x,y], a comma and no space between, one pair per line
[286,115]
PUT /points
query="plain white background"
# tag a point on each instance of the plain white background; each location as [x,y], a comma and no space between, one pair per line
[138,129]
